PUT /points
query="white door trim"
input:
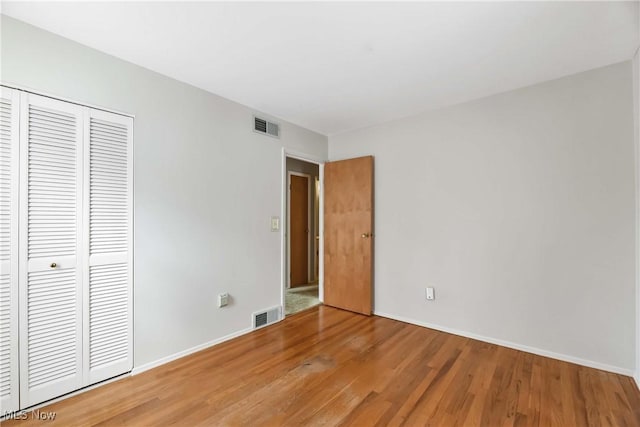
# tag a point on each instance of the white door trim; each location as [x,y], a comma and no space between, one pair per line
[316,230]
[286,153]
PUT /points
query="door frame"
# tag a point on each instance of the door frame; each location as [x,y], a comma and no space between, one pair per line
[310,158]
[310,265]
[315,275]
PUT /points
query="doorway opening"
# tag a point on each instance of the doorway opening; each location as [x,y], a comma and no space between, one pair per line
[302,235]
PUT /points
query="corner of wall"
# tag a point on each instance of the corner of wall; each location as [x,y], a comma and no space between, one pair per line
[636,123]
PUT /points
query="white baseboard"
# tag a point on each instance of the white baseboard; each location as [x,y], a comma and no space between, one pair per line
[637,378]
[142,368]
[521,347]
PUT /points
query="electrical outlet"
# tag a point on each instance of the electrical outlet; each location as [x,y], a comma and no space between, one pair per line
[430,294]
[223,299]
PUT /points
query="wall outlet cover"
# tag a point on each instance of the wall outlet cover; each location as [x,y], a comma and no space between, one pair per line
[430,293]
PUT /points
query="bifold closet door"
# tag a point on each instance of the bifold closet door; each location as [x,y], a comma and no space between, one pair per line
[109,220]
[9,151]
[66,278]
[51,296]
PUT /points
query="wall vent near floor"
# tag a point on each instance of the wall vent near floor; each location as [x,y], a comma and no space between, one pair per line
[266,317]
[265,127]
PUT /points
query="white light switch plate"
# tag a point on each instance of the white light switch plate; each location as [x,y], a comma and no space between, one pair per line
[275,223]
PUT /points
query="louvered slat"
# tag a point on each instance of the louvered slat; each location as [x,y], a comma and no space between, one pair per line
[52,182]
[6,137]
[9,150]
[5,335]
[108,181]
[109,306]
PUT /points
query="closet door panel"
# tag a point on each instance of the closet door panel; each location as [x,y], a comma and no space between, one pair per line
[9,150]
[109,338]
[50,249]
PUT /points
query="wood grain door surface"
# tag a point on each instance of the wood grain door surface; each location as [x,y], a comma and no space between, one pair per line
[299,230]
[348,234]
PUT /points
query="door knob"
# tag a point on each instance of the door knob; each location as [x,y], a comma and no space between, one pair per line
[54,265]
[365,235]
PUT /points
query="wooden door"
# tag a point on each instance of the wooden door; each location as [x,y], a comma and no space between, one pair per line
[348,234]
[299,230]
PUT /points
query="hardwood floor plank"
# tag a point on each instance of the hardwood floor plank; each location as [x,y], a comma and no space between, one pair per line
[330,367]
[368,412]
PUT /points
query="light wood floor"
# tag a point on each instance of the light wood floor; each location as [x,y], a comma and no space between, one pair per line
[329,367]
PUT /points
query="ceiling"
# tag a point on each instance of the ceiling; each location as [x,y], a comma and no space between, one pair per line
[332,67]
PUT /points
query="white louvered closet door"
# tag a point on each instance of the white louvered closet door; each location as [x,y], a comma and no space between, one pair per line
[108,349]
[51,191]
[9,151]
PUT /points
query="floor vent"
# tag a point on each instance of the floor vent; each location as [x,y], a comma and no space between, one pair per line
[267,317]
[265,127]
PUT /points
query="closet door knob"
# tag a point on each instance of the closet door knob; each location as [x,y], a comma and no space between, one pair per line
[54,265]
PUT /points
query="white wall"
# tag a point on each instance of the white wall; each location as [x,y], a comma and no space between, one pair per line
[519,209]
[205,188]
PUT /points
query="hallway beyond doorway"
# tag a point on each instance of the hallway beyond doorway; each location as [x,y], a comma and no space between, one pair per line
[301,298]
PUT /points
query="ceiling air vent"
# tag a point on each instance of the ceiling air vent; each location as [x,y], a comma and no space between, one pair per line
[266,317]
[265,127]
